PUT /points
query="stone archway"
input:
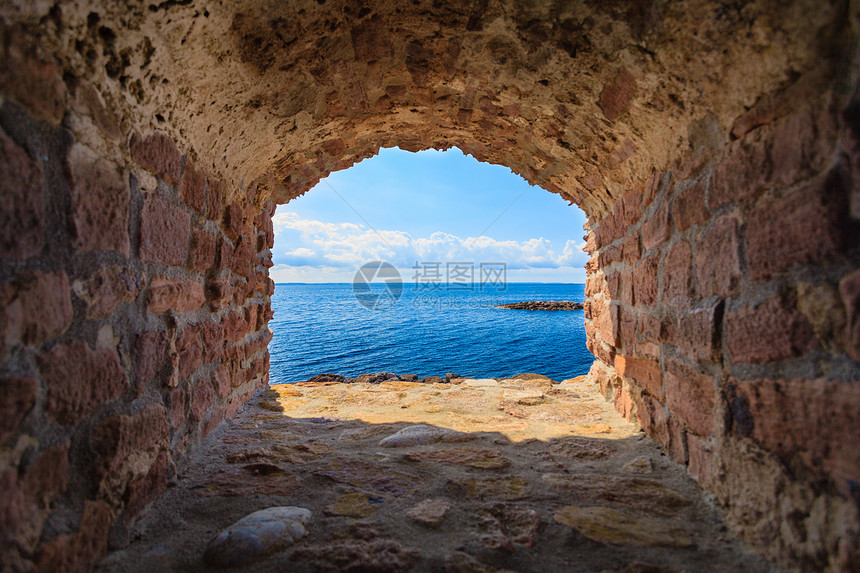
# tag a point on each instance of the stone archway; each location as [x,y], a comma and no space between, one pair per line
[712,146]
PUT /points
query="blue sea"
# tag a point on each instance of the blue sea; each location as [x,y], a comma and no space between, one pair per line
[329,328]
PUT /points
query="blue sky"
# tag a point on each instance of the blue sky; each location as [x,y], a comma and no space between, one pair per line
[426,207]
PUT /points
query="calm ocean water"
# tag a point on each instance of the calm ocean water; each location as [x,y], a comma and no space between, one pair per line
[323,328]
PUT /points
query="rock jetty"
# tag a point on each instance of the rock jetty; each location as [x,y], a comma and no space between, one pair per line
[543,305]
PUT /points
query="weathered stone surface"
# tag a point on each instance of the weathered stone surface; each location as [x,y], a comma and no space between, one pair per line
[35,307]
[109,287]
[202,250]
[192,190]
[19,396]
[79,380]
[491,488]
[608,525]
[430,512]
[718,260]
[581,449]
[501,525]
[771,330]
[157,153]
[617,95]
[461,562]
[362,474]
[166,294]
[149,355]
[257,535]
[421,435]
[352,504]
[382,555]
[472,457]
[100,203]
[849,289]
[165,232]
[644,494]
[22,203]
[691,396]
[82,550]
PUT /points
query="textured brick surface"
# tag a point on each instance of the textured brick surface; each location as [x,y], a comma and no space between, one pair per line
[22,203]
[35,307]
[157,153]
[165,231]
[771,330]
[166,294]
[717,259]
[690,396]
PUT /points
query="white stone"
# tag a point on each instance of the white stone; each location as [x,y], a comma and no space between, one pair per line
[257,535]
[420,435]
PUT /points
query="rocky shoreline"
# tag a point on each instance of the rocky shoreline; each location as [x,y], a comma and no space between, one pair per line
[543,305]
[329,378]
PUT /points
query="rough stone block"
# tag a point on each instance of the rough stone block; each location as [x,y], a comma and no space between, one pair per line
[182,296]
[233,222]
[190,351]
[149,356]
[19,397]
[192,190]
[657,229]
[79,380]
[645,281]
[109,287]
[100,203]
[35,307]
[690,396]
[717,259]
[202,251]
[165,231]
[743,173]
[202,399]
[660,426]
[22,203]
[646,373]
[849,289]
[689,209]
[697,335]
[178,399]
[158,154]
[678,275]
[144,489]
[124,443]
[617,95]
[219,293]
[214,199]
[805,227]
[630,250]
[82,550]
[772,330]
[795,419]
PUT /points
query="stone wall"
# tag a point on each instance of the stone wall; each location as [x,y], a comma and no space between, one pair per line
[134,308]
[713,146]
[723,310]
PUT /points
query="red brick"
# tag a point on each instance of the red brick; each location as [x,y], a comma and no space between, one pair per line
[35,307]
[79,551]
[630,251]
[192,190]
[190,351]
[147,488]
[221,382]
[19,397]
[591,266]
[593,285]
[109,287]
[166,294]
[79,380]
[234,221]
[656,230]
[717,260]
[165,231]
[609,255]
[128,445]
[743,173]
[804,144]
[811,226]
[213,341]
[702,466]
[219,293]
[202,251]
[814,421]
[648,326]
[213,422]
[678,275]
[690,397]
[149,356]
[646,373]
[645,281]
[617,95]
[224,259]
[697,335]
[849,290]
[100,203]
[235,326]
[689,209]
[244,257]
[28,494]
[263,222]
[31,76]
[214,199]
[628,328]
[660,426]
[178,399]
[202,399]
[22,203]
[158,154]
[771,330]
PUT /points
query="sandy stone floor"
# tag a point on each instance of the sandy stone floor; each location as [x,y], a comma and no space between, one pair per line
[502,475]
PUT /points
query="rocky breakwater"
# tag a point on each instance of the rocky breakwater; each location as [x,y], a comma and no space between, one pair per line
[543,305]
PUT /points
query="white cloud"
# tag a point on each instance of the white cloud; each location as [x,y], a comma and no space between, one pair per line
[332,251]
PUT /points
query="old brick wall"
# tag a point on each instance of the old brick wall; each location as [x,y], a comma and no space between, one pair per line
[135,300]
[713,146]
[723,310]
